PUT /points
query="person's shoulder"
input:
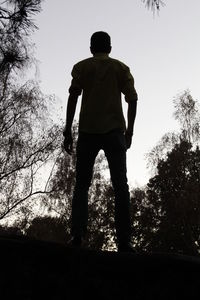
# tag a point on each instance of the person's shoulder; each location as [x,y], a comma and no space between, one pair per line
[119,63]
[83,62]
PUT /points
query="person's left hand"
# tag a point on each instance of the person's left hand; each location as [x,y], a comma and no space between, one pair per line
[68,143]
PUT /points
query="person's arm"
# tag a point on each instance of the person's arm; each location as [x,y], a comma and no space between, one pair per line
[75,90]
[131,114]
[71,108]
[131,97]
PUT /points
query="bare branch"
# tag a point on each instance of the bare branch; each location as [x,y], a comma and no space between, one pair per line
[28,162]
[18,202]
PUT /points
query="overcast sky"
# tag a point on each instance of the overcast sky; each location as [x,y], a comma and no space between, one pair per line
[161,51]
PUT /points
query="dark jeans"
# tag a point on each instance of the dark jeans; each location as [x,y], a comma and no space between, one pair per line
[114,146]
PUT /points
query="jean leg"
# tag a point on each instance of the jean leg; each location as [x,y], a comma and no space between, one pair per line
[86,154]
[115,151]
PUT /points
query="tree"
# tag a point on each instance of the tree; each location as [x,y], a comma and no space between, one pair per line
[174,192]
[48,228]
[187,113]
[15,25]
[10,231]
[27,143]
[160,151]
[27,136]
[166,211]
[145,218]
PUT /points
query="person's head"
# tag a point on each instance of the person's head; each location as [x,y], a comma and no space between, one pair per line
[100,42]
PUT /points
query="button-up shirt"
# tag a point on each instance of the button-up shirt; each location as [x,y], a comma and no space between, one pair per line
[101,80]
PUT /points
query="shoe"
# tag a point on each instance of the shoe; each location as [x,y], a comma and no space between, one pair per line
[126,248]
[75,242]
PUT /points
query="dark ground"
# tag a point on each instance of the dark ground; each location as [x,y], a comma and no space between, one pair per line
[43,270]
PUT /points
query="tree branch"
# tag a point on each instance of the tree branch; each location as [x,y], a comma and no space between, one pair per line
[25,164]
[18,202]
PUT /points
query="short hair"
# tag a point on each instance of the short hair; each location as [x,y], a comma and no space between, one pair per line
[100,42]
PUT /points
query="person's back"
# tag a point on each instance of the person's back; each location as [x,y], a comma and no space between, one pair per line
[101,80]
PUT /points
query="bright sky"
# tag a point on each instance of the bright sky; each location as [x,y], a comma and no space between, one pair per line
[161,51]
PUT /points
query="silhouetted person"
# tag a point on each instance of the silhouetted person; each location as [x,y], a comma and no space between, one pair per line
[101,80]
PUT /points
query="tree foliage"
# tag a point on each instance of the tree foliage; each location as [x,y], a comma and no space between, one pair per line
[174,193]
[15,25]
[27,140]
[48,228]
[187,113]
[153,4]
[145,219]
[27,136]
[169,220]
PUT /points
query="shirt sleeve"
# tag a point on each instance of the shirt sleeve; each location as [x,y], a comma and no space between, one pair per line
[76,87]
[128,86]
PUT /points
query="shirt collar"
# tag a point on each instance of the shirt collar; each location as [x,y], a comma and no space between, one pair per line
[101,55]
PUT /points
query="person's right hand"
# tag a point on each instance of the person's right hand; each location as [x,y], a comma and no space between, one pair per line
[128,137]
[68,143]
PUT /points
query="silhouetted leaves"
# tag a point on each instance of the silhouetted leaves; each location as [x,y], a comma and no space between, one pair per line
[28,141]
[15,25]
[10,231]
[174,192]
[166,213]
[154,4]
[188,114]
[48,229]
[27,136]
